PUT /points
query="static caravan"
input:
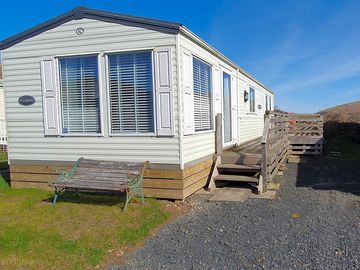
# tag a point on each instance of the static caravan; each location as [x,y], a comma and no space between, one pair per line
[108,86]
[3,135]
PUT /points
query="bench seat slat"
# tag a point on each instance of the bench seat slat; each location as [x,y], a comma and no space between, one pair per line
[105,170]
[90,182]
[93,187]
[109,177]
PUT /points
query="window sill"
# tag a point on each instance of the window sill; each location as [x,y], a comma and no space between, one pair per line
[251,113]
[204,132]
[80,135]
[134,135]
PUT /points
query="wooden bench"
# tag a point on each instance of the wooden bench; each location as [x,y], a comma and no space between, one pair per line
[100,175]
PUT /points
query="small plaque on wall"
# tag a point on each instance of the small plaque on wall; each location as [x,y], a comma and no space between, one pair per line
[26,100]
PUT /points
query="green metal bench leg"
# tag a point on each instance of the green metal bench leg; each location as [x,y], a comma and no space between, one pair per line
[56,195]
[135,189]
[142,198]
[128,197]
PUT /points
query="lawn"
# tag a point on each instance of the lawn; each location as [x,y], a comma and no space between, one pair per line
[347,148]
[79,233]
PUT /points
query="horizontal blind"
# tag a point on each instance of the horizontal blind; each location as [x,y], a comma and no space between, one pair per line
[202,95]
[267,102]
[79,87]
[131,93]
[252,100]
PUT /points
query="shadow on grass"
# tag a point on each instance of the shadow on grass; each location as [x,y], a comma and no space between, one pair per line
[94,198]
[4,169]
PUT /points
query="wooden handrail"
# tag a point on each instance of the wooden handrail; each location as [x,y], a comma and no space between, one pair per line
[265,134]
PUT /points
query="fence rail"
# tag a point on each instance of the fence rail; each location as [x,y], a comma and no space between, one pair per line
[285,134]
[306,134]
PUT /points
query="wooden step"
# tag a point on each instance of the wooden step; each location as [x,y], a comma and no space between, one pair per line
[239,167]
[236,178]
[242,159]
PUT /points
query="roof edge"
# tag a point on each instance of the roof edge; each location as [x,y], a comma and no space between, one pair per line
[189,34]
[83,12]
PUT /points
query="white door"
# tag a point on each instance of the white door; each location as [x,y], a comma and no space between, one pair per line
[227,109]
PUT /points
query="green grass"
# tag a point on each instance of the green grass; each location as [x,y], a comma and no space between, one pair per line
[349,149]
[77,234]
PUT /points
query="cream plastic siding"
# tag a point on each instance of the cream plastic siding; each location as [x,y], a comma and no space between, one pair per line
[201,144]
[2,100]
[198,146]
[247,126]
[22,76]
[250,125]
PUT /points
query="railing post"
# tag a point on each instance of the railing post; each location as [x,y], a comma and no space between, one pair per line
[264,153]
[218,134]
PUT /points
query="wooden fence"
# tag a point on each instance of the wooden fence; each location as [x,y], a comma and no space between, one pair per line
[295,134]
[274,145]
[305,134]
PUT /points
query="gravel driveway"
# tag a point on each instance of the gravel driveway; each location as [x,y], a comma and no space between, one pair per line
[324,233]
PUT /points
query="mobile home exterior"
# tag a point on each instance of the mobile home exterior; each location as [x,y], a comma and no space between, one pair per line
[3,135]
[118,87]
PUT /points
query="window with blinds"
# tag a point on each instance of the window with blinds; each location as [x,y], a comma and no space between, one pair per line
[79,95]
[267,102]
[131,93]
[202,95]
[252,100]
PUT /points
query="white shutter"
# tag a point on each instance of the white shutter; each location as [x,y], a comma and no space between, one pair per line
[217,90]
[49,92]
[165,126]
[188,100]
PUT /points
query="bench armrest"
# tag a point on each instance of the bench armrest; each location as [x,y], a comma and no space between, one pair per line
[132,175]
[64,175]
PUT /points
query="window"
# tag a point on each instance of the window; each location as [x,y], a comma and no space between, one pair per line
[131,93]
[79,95]
[252,100]
[202,95]
[268,102]
[270,105]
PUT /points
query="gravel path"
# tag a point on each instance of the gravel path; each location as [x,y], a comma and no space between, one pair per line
[324,233]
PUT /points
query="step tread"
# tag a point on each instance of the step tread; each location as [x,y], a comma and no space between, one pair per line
[244,167]
[237,178]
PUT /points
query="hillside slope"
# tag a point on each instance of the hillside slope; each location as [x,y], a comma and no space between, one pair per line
[349,112]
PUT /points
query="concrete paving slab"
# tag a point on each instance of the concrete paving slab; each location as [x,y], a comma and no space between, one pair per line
[203,192]
[273,186]
[230,195]
[270,194]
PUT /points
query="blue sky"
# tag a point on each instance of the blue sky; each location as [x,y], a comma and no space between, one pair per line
[307,51]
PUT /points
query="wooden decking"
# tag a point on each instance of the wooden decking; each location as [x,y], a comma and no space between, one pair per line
[257,162]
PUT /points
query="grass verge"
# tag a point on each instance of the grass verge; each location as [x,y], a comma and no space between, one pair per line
[348,148]
[78,233]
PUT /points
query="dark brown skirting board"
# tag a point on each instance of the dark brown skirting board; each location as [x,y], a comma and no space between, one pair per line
[160,182]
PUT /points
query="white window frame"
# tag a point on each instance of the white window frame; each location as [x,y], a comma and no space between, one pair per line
[250,112]
[148,134]
[58,89]
[212,105]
